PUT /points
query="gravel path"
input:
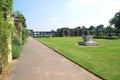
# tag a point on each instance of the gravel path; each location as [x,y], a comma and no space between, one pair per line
[38,62]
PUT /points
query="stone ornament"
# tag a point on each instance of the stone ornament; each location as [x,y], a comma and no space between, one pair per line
[87,41]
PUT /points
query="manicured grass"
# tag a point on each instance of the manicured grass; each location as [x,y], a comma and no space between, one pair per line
[103,60]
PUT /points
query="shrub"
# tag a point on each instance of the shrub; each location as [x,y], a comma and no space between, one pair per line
[16,47]
[24,35]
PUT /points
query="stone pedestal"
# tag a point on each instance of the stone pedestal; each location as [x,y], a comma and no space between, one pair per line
[87,41]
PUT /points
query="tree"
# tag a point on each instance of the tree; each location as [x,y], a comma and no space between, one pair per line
[116,31]
[19,15]
[109,30]
[20,23]
[99,30]
[78,27]
[91,30]
[84,31]
[115,21]
[52,32]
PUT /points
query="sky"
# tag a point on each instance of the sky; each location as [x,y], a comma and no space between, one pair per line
[47,15]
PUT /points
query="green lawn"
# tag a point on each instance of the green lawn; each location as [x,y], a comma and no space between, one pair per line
[103,60]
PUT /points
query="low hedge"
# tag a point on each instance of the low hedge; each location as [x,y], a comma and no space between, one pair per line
[106,37]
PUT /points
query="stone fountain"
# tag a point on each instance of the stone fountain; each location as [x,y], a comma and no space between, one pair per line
[87,41]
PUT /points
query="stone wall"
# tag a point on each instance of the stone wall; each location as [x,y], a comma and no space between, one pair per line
[60,32]
[70,32]
[18,25]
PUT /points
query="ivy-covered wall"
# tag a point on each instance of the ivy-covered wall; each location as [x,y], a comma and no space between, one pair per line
[6,27]
[8,33]
[20,34]
[5,31]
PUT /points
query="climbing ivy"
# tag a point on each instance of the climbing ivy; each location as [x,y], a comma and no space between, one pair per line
[5,9]
[5,28]
[24,35]
[18,15]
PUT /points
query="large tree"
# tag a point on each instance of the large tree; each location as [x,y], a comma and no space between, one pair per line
[109,30]
[19,15]
[91,30]
[99,30]
[115,21]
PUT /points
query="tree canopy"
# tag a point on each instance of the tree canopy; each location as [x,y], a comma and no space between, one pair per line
[115,21]
[19,15]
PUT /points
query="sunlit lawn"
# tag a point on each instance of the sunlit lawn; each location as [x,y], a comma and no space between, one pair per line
[103,60]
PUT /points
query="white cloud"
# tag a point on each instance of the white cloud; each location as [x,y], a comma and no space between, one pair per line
[110,6]
[99,11]
[55,18]
[90,1]
[74,3]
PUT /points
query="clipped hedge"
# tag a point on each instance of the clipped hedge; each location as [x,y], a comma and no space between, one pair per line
[107,37]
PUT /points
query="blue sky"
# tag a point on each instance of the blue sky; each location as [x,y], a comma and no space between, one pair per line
[45,15]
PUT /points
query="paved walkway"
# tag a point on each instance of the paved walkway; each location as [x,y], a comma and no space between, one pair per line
[38,62]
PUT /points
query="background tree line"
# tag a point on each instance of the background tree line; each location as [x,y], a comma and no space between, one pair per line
[111,30]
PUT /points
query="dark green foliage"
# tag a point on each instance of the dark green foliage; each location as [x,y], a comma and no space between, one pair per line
[92,30]
[116,20]
[19,15]
[99,30]
[61,33]
[107,37]
[24,35]
[6,5]
[85,31]
[16,47]
[109,31]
